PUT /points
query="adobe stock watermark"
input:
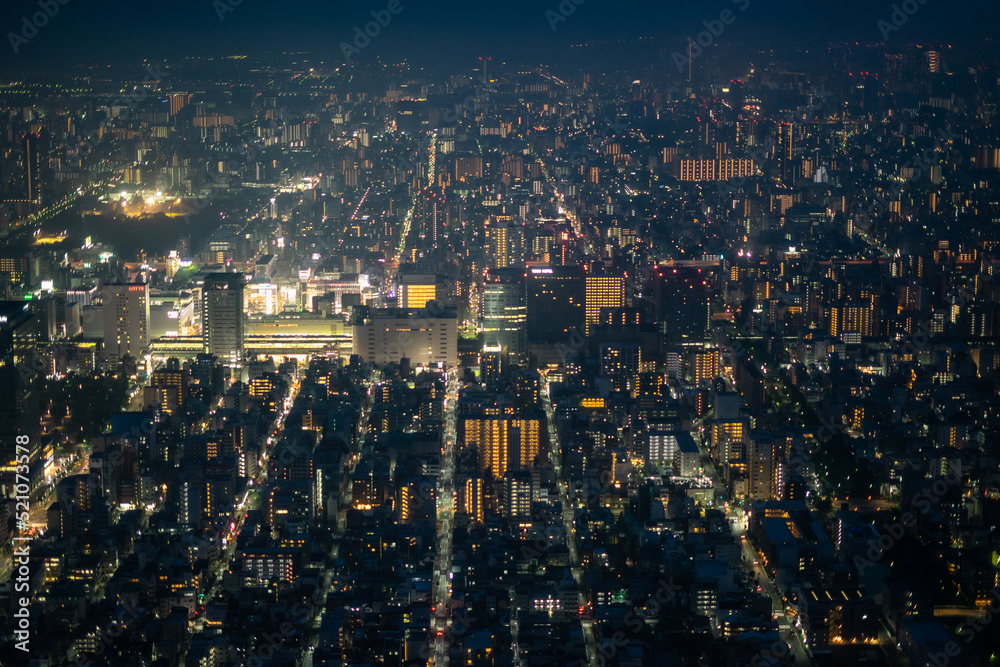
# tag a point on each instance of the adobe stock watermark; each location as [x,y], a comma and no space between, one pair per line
[899,17]
[266,645]
[704,39]
[470,103]
[923,502]
[37,21]
[970,631]
[411,160]
[223,7]
[666,595]
[154,74]
[565,9]
[577,341]
[364,36]
[775,654]
[20,570]
[425,318]
[758,154]
[109,635]
[249,152]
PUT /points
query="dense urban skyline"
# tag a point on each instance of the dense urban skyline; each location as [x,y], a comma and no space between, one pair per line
[576,334]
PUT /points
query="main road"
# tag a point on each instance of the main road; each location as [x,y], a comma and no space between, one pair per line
[441,618]
[737,522]
[569,527]
[408,218]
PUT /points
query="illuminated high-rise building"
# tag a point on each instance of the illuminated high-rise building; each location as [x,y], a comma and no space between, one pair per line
[722,169]
[14,269]
[762,467]
[503,311]
[222,316]
[417,500]
[167,388]
[178,101]
[126,321]
[602,292]
[620,363]
[472,499]
[727,438]
[653,389]
[415,290]
[933,62]
[704,366]
[504,245]
[491,365]
[517,495]
[785,150]
[20,386]
[504,442]
[851,323]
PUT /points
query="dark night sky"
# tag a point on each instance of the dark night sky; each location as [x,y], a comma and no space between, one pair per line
[442,31]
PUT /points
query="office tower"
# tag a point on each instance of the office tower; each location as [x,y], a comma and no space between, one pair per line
[415,290]
[555,304]
[32,169]
[749,382]
[503,311]
[491,363]
[20,385]
[786,143]
[504,245]
[683,306]
[126,321]
[14,269]
[602,292]
[46,319]
[222,316]
[424,337]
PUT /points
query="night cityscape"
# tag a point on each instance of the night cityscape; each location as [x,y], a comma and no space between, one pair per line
[571,334]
